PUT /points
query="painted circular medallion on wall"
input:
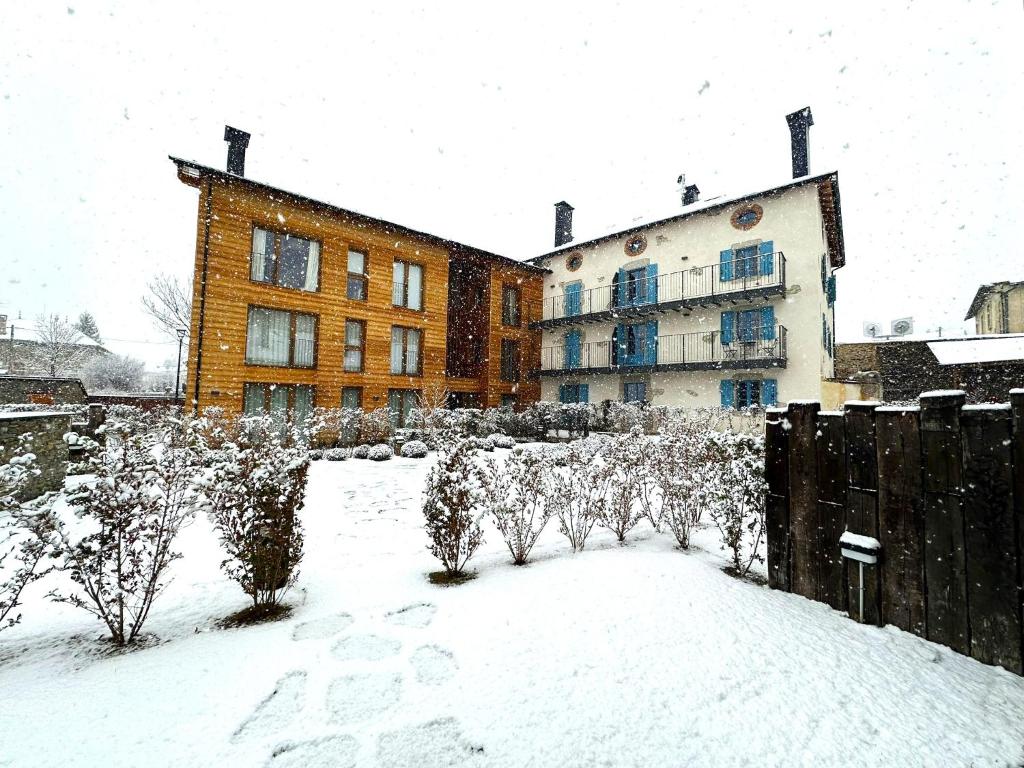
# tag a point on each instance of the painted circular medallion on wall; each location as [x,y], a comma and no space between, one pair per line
[636,245]
[574,261]
[747,216]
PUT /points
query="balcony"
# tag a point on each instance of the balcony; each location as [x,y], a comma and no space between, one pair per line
[740,281]
[702,351]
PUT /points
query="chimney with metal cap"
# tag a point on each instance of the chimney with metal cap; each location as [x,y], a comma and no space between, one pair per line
[800,123]
[237,142]
[690,194]
[563,223]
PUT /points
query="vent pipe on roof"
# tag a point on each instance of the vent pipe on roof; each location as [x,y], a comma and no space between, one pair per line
[237,142]
[691,194]
[563,223]
[800,123]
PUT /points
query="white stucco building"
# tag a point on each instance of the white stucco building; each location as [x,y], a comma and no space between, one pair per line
[730,302]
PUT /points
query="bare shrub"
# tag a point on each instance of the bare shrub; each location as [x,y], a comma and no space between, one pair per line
[685,466]
[376,427]
[516,496]
[119,550]
[741,493]
[577,491]
[257,487]
[623,460]
[453,505]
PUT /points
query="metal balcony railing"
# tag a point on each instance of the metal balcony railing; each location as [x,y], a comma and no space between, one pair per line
[697,286]
[683,351]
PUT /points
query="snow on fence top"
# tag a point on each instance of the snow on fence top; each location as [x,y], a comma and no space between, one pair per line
[899,408]
[6,415]
[864,403]
[986,407]
[943,393]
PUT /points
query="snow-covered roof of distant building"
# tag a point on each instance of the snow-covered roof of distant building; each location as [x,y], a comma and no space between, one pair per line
[194,170]
[984,291]
[28,332]
[702,206]
[980,349]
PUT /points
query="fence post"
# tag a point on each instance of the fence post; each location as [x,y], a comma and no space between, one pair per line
[945,558]
[832,506]
[990,536]
[777,502]
[1017,410]
[901,518]
[804,523]
[862,501]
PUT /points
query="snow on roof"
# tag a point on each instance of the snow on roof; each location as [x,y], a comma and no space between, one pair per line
[986,349]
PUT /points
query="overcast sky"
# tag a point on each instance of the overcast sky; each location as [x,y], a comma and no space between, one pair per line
[470,121]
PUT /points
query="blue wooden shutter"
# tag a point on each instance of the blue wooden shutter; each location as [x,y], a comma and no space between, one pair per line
[824,274]
[830,291]
[728,324]
[651,343]
[561,393]
[767,251]
[572,299]
[572,349]
[728,392]
[652,283]
[725,265]
[584,390]
[768,323]
[619,344]
[769,392]
[824,332]
[620,292]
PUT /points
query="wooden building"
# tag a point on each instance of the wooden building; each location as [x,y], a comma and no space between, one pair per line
[298,303]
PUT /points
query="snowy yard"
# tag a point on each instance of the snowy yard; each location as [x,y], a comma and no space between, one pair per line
[619,656]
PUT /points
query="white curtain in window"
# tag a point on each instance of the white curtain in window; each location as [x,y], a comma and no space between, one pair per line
[397,336]
[262,252]
[353,338]
[267,337]
[305,336]
[356,263]
[313,267]
[415,286]
[412,355]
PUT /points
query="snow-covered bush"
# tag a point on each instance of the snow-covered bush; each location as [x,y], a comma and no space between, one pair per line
[740,511]
[376,427]
[27,532]
[684,468]
[361,452]
[516,497]
[331,427]
[414,449]
[380,452]
[257,487]
[316,454]
[454,502]
[119,549]
[336,454]
[577,491]
[502,441]
[482,444]
[623,458]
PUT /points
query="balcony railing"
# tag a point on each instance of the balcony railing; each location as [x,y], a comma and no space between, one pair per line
[759,275]
[683,351]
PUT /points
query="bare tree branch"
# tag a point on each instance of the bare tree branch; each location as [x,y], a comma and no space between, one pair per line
[169,305]
[59,349]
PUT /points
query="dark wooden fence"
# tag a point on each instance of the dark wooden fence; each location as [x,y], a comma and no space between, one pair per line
[941,486]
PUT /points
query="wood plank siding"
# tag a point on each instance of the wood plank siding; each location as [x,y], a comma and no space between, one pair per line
[229,209]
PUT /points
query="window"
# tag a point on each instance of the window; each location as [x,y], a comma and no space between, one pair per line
[405,350]
[351,397]
[748,393]
[285,260]
[510,305]
[292,403]
[634,392]
[355,340]
[400,403]
[276,337]
[407,286]
[357,280]
[508,401]
[574,393]
[509,360]
[748,261]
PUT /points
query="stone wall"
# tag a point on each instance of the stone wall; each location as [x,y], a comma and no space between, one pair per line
[41,389]
[48,445]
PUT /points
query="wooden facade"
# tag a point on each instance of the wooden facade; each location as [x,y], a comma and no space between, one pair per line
[230,207]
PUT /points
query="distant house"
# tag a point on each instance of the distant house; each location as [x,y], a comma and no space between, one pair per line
[24,353]
[998,308]
[985,367]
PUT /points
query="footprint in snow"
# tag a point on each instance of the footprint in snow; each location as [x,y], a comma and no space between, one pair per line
[433,665]
[436,744]
[415,615]
[320,629]
[353,698]
[365,647]
[277,710]
[329,752]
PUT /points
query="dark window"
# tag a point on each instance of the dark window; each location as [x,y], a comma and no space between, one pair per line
[636,286]
[634,392]
[357,275]
[351,397]
[406,349]
[509,360]
[508,401]
[746,262]
[276,337]
[355,341]
[407,285]
[400,403]
[285,260]
[510,305]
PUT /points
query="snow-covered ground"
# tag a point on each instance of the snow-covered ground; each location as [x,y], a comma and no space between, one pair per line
[619,656]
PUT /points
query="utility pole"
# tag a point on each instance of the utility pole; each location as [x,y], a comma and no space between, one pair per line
[177,371]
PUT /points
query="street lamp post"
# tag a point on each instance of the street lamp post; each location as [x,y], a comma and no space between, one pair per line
[182,333]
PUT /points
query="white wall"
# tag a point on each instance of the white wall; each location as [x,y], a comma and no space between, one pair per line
[792,220]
